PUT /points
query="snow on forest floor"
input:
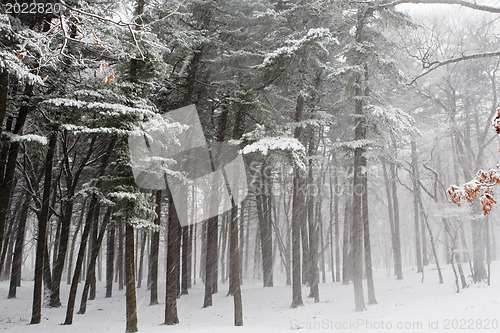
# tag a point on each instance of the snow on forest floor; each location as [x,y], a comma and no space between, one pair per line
[403,306]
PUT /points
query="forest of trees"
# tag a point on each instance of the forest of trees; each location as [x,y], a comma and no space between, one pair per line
[354,119]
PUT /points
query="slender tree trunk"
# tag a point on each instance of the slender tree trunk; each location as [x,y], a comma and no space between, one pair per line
[110,259]
[416,212]
[15,277]
[185,259]
[73,243]
[155,249]
[266,241]
[131,303]
[297,216]
[346,243]
[42,228]
[235,267]
[337,227]
[366,234]
[357,220]
[141,259]
[4,94]
[398,266]
[172,259]
[120,258]
[313,228]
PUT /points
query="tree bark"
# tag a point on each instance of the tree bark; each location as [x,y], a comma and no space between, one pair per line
[131,303]
[110,259]
[155,249]
[172,280]
[297,216]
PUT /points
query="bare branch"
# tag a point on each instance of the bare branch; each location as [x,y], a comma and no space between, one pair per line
[472,5]
[437,64]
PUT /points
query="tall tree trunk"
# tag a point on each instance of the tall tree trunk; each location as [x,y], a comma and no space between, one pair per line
[141,259]
[297,215]
[313,227]
[416,211]
[337,227]
[366,234]
[73,243]
[266,241]
[131,302]
[155,249]
[357,221]
[390,209]
[235,267]
[110,259]
[173,254]
[121,258]
[185,259]
[346,242]
[4,94]
[398,265]
[36,315]
[15,277]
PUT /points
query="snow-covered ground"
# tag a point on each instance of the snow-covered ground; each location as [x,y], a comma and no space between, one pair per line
[403,306]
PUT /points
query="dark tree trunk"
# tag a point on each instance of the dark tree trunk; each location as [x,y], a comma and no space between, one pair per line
[110,259]
[4,94]
[211,260]
[15,277]
[185,260]
[42,228]
[155,249]
[73,243]
[235,268]
[131,302]
[120,259]
[173,254]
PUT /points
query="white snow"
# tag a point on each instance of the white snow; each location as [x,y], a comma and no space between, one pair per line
[404,302]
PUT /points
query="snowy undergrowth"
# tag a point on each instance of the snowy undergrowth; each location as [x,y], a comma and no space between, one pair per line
[415,305]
